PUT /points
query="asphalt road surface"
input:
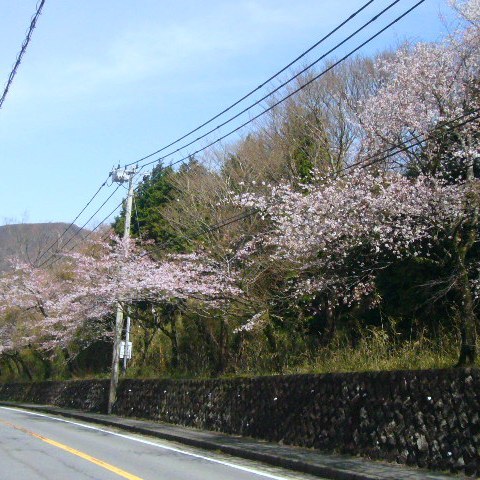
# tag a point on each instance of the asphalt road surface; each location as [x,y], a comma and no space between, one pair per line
[37,446]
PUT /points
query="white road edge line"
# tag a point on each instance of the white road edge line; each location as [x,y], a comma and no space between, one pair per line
[153,444]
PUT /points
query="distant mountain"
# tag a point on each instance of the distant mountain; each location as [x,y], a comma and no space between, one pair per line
[28,240]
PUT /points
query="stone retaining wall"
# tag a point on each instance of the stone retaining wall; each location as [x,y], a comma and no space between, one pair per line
[425,418]
[88,395]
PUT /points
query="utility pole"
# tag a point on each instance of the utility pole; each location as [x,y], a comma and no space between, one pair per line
[120,176]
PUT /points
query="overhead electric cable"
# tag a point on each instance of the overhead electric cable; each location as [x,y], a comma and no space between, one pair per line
[77,232]
[22,52]
[57,255]
[284,99]
[90,232]
[82,227]
[405,145]
[102,222]
[250,93]
[279,87]
[316,77]
[394,150]
[72,223]
[364,163]
[301,87]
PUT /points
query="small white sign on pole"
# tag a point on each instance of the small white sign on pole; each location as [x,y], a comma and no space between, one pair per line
[122,350]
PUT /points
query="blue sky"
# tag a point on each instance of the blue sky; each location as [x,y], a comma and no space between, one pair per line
[109,81]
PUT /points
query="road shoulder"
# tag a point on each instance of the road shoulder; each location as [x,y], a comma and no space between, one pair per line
[338,467]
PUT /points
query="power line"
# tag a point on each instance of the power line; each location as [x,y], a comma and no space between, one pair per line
[73,222]
[316,77]
[391,151]
[250,93]
[364,163]
[90,232]
[301,87]
[22,51]
[57,255]
[86,223]
[405,145]
[82,227]
[77,232]
[271,93]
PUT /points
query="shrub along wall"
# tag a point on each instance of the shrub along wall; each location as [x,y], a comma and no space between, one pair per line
[425,418]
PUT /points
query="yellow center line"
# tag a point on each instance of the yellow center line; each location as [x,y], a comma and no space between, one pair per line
[73,451]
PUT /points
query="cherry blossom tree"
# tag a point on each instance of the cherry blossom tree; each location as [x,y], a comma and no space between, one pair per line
[429,87]
[115,277]
[75,300]
[339,233]
[431,93]
[36,299]
[163,288]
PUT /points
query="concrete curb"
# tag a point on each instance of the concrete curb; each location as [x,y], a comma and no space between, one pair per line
[327,466]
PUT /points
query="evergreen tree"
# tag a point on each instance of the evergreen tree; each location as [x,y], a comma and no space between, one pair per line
[148,223]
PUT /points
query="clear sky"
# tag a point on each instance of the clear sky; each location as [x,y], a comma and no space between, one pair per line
[109,81]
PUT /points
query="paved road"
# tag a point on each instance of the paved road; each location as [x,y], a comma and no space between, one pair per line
[37,446]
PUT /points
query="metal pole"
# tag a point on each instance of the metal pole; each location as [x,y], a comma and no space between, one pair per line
[127,340]
[115,357]
[112,394]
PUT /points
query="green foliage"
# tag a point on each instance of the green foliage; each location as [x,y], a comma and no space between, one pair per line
[379,349]
[411,325]
[412,289]
[148,222]
[440,156]
[303,156]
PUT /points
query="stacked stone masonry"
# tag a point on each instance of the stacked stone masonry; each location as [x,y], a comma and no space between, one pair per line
[426,418]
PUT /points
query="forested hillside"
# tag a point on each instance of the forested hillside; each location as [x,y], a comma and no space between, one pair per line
[340,233]
[28,240]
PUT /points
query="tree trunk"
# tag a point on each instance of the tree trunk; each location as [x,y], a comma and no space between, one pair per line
[175,360]
[8,363]
[24,367]
[328,332]
[70,362]
[222,348]
[147,342]
[468,321]
[211,345]
[47,365]
[173,337]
